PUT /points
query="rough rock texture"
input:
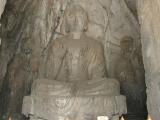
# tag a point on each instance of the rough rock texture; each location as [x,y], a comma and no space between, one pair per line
[133,6]
[68,107]
[25,32]
[78,87]
[27,29]
[116,31]
[150,29]
[2,5]
[130,72]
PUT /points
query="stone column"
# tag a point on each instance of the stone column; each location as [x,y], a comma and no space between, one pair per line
[149,18]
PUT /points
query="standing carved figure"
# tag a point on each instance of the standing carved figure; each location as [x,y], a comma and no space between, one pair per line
[129,73]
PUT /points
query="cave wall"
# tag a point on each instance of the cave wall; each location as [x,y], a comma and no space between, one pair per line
[2,6]
[26,29]
[29,26]
[132,4]
[149,17]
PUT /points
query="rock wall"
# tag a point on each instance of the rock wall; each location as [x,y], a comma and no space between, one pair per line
[28,27]
[132,82]
[149,18]
[132,5]
[2,5]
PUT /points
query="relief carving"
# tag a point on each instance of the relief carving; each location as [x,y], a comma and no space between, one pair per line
[76,73]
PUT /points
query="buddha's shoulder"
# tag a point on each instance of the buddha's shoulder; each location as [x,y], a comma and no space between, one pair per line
[59,40]
[94,43]
[57,43]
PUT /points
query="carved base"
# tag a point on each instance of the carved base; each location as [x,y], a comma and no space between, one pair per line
[116,117]
[73,108]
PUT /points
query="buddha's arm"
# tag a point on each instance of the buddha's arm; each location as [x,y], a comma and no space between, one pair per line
[97,67]
[55,59]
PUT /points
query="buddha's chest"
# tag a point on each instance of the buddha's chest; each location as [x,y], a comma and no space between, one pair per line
[76,62]
[76,51]
[76,56]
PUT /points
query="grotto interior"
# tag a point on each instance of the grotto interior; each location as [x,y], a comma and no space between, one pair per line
[79,60]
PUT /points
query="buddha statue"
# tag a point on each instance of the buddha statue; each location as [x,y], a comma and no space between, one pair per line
[75,84]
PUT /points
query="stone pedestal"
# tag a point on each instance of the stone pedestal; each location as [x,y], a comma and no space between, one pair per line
[73,108]
[49,106]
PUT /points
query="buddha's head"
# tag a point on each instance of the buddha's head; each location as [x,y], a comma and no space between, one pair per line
[76,19]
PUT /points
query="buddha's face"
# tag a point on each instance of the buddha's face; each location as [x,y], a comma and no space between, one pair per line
[76,19]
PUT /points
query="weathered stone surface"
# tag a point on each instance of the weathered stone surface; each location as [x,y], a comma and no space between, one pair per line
[132,4]
[79,87]
[2,5]
[27,29]
[127,26]
[86,107]
[54,100]
[22,24]
[101,86]
[149,17]
[130,73]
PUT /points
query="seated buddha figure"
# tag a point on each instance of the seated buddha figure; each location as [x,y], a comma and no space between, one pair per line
[78,59]
[75,67]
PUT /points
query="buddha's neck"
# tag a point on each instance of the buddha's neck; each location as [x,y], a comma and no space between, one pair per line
[76,35]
